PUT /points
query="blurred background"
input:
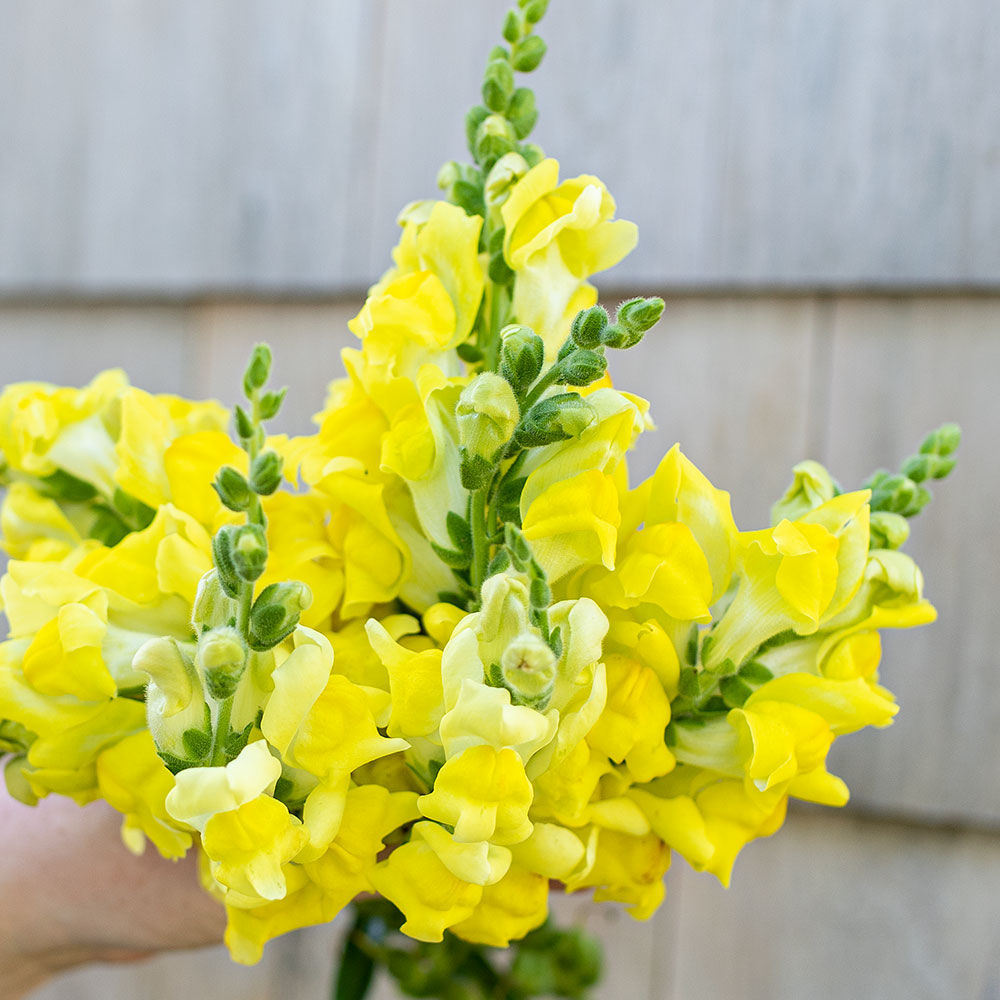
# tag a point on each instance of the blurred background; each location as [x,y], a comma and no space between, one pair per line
[817,186]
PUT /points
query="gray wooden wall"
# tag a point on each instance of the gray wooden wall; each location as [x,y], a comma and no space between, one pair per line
[817,186]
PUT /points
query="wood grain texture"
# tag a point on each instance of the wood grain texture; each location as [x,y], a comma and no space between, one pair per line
[835,907]
[177,147]
[899,368]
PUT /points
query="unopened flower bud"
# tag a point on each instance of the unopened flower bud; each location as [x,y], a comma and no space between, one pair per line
[888,531]
[248,551]
[588,325]
[222,554]
[811,487]
[581,368]
[265,475]
[487,414]
[640,315]
[170,670]
[528,667]
[532,153]
[498,85]
[555,418]
[276,612]
[473,120]
[495,136]
[527,54]
[232,487]
[943,441]
[212,606]
[506,172]
[522,353]
[534,10]
[221,660]
[258,369]
[522,111]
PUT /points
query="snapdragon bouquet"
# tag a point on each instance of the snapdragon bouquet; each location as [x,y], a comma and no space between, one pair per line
[457,662]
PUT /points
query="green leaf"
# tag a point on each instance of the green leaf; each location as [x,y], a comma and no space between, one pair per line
[356,970]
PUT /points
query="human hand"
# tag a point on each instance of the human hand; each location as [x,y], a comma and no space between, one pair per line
[71,893]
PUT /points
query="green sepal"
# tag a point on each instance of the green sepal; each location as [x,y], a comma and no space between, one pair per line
[176,764]
[734,691]
[507,502]
[108,528]
[499,271]
[691,646]
[556,642]
[459,531]
[754,672]
[235,743]
[197,743]
[475,471]
[248,551]
[687,683]
[60,485]
[540,594]
[135,513]
[473,119]
[469,353]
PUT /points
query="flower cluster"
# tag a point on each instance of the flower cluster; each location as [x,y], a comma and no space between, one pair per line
[464,658]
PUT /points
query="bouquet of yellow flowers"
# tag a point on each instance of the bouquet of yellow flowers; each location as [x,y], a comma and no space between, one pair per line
[458,660]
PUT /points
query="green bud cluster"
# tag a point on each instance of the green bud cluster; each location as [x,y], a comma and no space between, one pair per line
[902,495]
[231,626]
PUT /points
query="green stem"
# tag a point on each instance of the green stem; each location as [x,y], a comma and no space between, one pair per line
[540,386]
[221,732]
[480,543]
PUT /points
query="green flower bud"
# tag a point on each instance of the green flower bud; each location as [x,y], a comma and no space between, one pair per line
[888,530]
[513,26]
[221,660]
[248,551]
[528,668]
[232,487]
[449,173]
[928,466]
[897,494]
[503,175]
[534,154]
[619,337]
[469,197]
[522,354]
[212,607]
[555,418]
[276,612]
[270,403]
[494,137]
[14,737]
[265,474]
[475,117]
[944,441]
[581,368]
[527,54]
[588,325]
[534,10]
[522,111]
[487,414]
[258,369]
[498,52]
[18,786]
[498,85]
[811,487]
[640,315]
[245,429]
[222,553]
